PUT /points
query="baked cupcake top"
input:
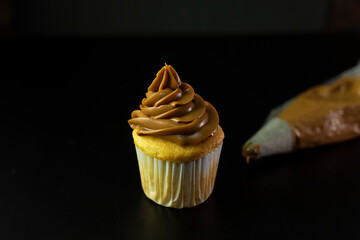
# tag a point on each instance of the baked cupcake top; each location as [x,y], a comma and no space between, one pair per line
[173,111]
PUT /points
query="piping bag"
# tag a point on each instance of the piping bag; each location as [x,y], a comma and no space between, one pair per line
[321,115]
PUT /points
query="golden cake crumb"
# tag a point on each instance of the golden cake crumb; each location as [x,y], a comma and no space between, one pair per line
[165,150]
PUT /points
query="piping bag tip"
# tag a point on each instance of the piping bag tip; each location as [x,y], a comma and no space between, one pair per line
[274,137]
[250,152]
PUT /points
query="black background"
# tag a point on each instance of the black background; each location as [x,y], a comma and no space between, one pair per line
[68,166]
[141,17]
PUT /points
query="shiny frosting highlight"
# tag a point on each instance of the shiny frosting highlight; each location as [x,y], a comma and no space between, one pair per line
[173,111]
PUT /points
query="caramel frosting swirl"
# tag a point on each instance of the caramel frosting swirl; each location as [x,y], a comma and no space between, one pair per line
[173,111]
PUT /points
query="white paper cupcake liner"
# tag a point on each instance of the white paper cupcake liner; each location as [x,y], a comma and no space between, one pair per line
[178,185]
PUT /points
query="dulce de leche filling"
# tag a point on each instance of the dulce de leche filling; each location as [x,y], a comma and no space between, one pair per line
[325,114]
[173,111]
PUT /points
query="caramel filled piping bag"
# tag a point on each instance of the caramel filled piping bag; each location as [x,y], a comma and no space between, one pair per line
[324,114]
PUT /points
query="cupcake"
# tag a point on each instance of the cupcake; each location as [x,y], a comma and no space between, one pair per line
[178,142]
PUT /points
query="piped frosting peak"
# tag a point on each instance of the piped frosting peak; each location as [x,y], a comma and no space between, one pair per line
[167,77]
